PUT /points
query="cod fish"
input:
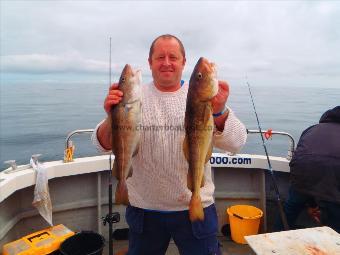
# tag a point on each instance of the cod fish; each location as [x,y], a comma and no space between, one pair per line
[199,125]
[125,117]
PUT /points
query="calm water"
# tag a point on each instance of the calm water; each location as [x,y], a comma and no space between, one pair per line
[36,118]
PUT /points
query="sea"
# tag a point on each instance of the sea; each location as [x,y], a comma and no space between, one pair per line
[36,117]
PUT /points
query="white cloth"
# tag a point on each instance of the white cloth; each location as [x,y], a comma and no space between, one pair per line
[159,180]
[42,199]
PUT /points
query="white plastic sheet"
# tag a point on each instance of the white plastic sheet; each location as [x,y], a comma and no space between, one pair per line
[42,200]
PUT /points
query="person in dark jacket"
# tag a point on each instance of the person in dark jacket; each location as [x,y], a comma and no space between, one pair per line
[315,172]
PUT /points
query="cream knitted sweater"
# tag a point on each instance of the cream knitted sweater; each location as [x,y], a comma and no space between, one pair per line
[159,180]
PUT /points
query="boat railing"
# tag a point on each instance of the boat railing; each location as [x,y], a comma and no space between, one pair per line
[291,147]
[76,132]
[69,147]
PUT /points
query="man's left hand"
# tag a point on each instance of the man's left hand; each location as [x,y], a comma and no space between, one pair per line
[315,213]
[219,101]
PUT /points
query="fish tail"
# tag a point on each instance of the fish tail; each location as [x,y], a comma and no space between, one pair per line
[121,196]
[196,208]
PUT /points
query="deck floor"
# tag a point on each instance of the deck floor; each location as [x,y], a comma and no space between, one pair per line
[228,248]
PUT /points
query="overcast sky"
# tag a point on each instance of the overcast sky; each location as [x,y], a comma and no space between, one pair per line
[274,43]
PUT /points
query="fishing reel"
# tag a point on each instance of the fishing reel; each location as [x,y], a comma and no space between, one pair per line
[111,218]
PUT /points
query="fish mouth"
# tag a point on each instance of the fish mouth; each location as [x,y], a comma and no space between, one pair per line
[214,69]
[127,70]
[136,72]
[214,78]
[213,74]
[211,70]
[209,67]
[215,87]
[137,75]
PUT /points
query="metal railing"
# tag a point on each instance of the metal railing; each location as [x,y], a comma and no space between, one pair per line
[249,131]
[76,132]
[290,137]
[69,147]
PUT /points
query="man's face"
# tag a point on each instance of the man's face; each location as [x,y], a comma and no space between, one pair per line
[167,63]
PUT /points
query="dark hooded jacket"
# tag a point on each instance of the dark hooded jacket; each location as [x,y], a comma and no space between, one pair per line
[315,166]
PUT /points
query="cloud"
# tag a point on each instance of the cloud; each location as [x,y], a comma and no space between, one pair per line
[44,63]
[264,39]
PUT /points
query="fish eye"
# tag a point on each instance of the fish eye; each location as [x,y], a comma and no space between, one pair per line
[123,79]
[199,75]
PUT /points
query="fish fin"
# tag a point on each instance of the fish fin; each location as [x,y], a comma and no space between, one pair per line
[114,169]
[195,208]
[203,181]
[127,108]
[121,196]
[130,172]
[136,150]
[189,181]
[207,158]
[207,113]
[209,153]
[186,148]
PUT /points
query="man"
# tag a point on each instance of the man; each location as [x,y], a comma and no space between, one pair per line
[315,173]
[158,191]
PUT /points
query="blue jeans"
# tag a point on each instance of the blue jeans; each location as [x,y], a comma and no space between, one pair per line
[296,203]
[151,231]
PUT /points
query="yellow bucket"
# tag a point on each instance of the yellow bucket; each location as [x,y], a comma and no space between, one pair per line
[244,221]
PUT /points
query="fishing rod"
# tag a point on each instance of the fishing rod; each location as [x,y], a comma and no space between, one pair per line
[110,179]
[278,197]
[110,218]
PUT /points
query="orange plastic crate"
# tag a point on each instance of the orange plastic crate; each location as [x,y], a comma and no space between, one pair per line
[39,243]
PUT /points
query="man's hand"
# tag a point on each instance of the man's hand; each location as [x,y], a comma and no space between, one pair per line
[314,213]
[113,97]
[218,104]
[219,101]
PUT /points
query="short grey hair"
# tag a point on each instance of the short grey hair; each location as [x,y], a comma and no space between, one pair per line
[167,36]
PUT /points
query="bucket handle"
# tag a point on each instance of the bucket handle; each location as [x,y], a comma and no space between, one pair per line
[242,218]
[238,216]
